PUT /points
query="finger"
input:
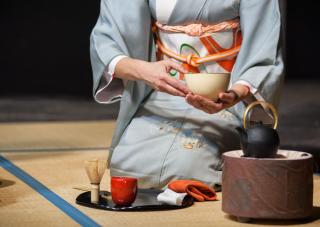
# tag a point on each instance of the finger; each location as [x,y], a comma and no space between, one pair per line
[177,84]
[208,103]
[191,100]
[211,106]
[171,90]
[226,97]
[176,66]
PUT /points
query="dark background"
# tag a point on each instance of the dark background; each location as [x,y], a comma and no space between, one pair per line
[44,46]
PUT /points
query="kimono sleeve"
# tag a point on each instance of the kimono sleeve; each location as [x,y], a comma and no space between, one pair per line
[119,29]
[259,62]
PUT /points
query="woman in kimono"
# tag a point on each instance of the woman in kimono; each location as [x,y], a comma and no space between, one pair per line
[140,51]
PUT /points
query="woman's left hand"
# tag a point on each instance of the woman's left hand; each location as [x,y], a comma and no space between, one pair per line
[226,99]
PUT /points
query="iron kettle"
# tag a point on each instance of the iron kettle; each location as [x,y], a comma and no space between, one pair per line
[259,141]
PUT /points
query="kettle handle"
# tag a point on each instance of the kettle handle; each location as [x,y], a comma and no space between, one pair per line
[264,104]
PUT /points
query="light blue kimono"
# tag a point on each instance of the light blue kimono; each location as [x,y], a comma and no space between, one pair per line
[152,128]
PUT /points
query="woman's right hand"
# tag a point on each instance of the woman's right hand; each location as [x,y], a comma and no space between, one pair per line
[155,74]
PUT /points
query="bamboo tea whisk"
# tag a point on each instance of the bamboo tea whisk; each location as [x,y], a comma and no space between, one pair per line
[95,170]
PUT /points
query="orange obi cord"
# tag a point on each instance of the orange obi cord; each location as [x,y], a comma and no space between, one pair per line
[224,57]
[200,29]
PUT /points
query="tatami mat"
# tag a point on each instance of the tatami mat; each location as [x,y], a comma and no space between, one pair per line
[22,206]
[56,135]
[61,171]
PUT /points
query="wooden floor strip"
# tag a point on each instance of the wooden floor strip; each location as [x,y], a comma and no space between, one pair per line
[62,149]
[56,135]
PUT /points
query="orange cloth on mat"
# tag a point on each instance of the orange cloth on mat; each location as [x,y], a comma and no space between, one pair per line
[196,189]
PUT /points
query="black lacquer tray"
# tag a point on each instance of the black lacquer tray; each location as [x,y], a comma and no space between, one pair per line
[146,200]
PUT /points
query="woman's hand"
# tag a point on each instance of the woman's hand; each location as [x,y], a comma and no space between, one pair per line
[226,99]
[155,74]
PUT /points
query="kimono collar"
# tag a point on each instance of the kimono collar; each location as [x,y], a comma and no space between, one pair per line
[186,11]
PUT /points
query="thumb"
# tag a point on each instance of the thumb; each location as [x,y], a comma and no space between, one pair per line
[176,66]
